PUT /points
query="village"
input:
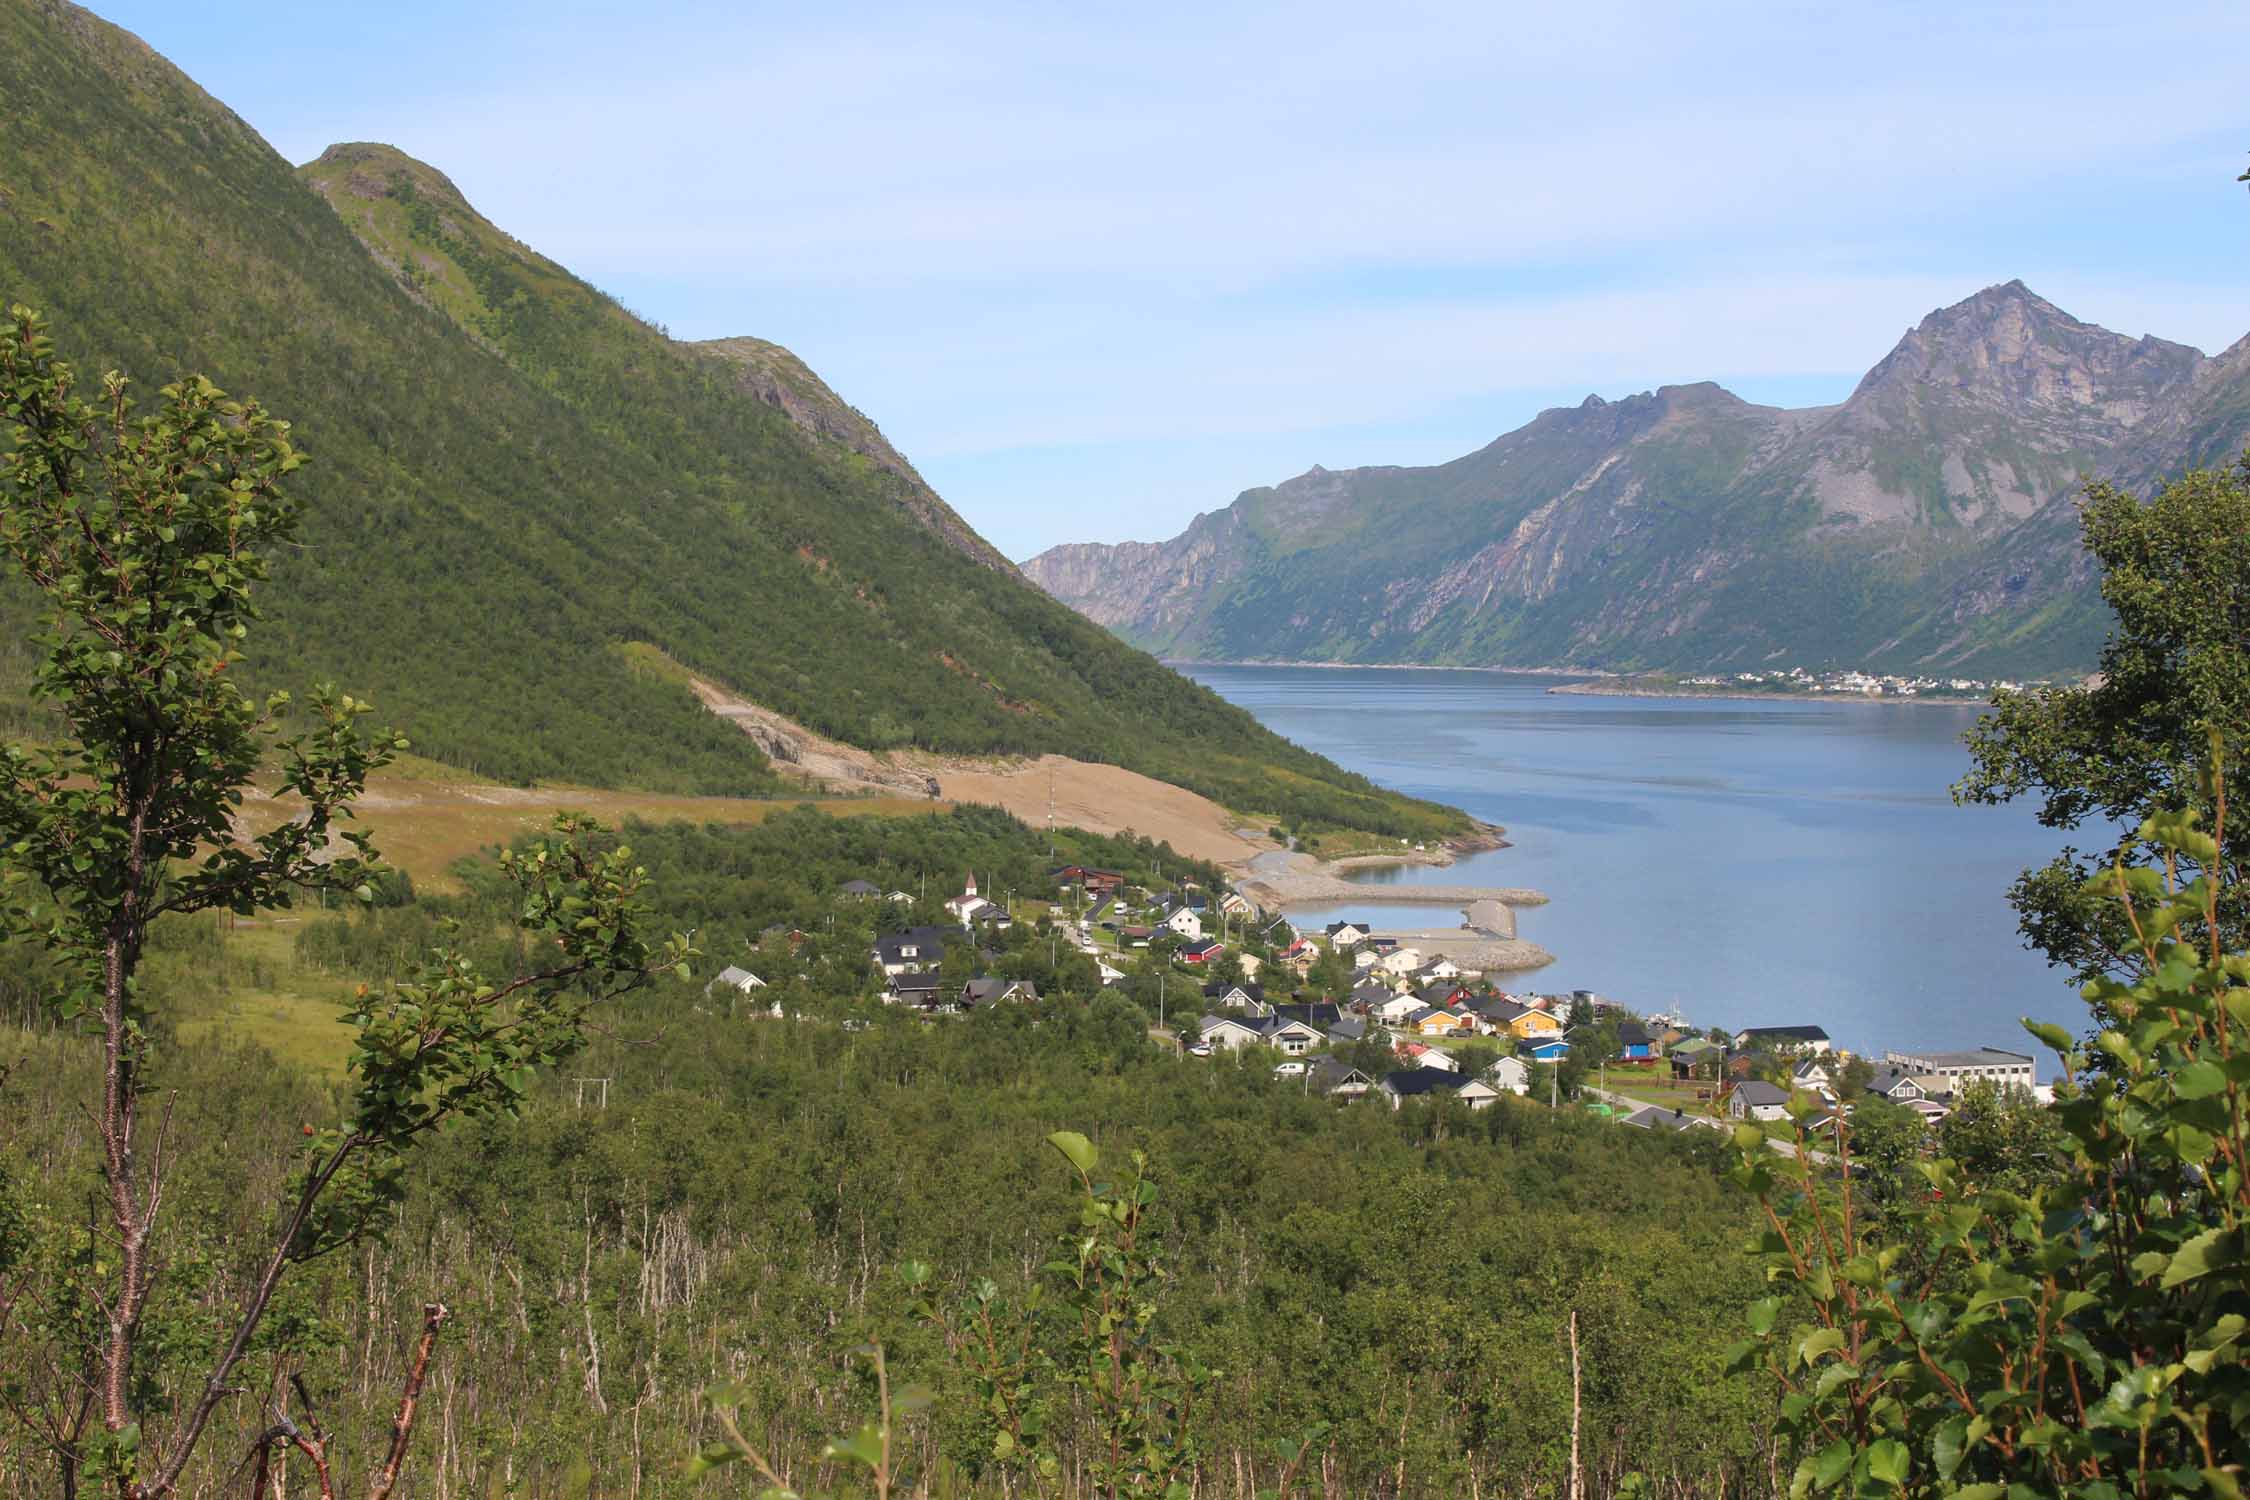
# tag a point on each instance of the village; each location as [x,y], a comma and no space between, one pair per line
[1348,1013]
[1844,682]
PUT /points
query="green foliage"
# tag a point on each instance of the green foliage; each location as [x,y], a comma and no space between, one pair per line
[145,538]
[2032,1323]
[729,1215]
[2097,758]
[521,478]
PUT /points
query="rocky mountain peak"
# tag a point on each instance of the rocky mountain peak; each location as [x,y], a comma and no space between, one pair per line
[2008,347]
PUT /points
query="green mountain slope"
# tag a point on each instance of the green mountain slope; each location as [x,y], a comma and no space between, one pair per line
[513,477]
[1927,521]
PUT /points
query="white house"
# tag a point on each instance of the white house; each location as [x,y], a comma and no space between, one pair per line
[1110,975]
[1394,1011]
[1511,1075]
[1443,968]
[1293,1037]
[1342,935]
[1251,964]
[738,978]
[1477,1094]
[1758,1100]
[1184,921]
[1234,904]
[1226,1031]
[1400,961]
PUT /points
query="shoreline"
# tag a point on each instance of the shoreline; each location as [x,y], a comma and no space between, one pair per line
[1390,666]
[1624,688]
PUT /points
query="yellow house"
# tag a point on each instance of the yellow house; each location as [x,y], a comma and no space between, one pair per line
[1444,1023]
[1533,1024]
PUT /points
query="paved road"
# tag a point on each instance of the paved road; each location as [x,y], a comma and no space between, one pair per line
[1786,1148]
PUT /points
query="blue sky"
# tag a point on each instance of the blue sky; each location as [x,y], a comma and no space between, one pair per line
[1096,269]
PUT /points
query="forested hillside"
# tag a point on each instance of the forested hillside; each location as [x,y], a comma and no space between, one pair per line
[511,475]
[740,1209]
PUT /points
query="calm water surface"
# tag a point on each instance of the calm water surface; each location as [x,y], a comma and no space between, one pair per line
[1750,863]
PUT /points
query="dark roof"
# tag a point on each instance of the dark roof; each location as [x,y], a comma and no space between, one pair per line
[1411,1081]
[1254,991]
[1632,1034]
[985,988]
[929,941]
[1758,1091]
[1347,1029]
[1501,1009]
[860,888]
[1784,1033]
[1208,945]
[1318,1013]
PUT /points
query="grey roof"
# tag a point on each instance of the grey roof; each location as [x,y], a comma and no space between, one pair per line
[1348,1029]
[1975,1057]
[734,975]
[1632,1033]
[860,888]
[1891,1080]
[1216,991]
[1329,1074]
[1758,1091]
[1418,1016]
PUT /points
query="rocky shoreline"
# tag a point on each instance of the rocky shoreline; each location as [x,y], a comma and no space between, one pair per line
[1287,879]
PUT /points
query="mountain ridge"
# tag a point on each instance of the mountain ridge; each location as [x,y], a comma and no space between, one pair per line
[514,481]
[1926,520]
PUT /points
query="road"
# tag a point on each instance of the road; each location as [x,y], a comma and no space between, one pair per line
[1626,1101]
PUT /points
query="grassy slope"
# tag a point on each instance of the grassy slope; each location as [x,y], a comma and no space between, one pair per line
[512,475]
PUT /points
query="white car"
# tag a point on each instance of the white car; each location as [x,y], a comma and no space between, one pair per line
[1199,1049]
[1290,1070]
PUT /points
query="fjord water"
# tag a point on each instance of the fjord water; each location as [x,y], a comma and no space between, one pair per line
[1748,863]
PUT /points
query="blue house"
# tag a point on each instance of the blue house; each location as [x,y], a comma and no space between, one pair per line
[1544,1049]
[1634,1043]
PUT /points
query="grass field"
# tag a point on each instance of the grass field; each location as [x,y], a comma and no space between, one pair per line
[424,817]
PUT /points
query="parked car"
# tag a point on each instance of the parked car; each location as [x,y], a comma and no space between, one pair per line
[1199,1049]
[1290,1070]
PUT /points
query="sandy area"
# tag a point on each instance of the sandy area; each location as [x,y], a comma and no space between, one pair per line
[1101,799]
